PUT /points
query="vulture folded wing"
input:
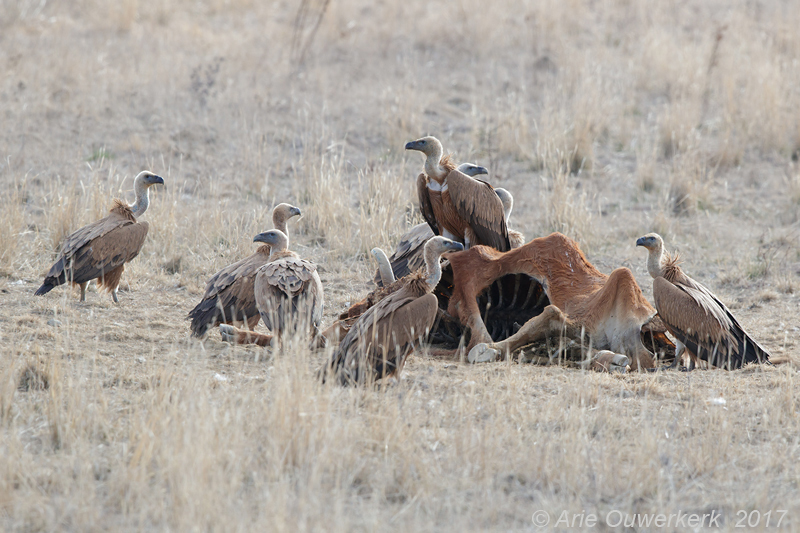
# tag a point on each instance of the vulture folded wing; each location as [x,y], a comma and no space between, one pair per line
[229,295]
[76,241]
[409,255]
[289,286]
[382,338]
[704,324]
[425,205]
[479,205]
[241,269]
[291,275]
[106,253]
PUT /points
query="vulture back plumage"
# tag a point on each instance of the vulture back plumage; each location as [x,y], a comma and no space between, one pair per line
[101,249]
[229,296]
[289,295]
[288,290]
[695,316]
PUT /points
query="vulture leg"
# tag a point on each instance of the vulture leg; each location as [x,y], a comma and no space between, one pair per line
[551,322]
[114,295]
[680,349]
[235,335]
[83,290]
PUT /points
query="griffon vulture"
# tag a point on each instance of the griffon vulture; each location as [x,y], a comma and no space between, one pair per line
[455,205]
[408,257]
[101,249]
[229,293]
[515,237]
[287,289]
[702,324]
[379,342]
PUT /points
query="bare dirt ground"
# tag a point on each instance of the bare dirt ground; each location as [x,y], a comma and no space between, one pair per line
[606,120]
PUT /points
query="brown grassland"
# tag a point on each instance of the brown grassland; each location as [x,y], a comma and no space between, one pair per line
[606,119]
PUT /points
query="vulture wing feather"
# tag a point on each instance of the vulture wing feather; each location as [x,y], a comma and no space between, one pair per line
[229,294]
[704,324]
[408,257]
[384,335]
[479,205]
[425,205]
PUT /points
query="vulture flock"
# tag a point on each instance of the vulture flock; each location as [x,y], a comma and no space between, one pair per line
[275,285]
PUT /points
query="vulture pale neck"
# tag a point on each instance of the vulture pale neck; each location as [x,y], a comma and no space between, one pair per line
[655,260]
[432,265]
[507,200]
[432,167]
[384,267]
[280,246]
[281,215]
[142,191]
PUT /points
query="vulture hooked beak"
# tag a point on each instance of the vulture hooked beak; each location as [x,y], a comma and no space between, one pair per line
[641,241]
[414,145]
[155,180]
[454,246]
[263,237]
[477,170]
[295,211]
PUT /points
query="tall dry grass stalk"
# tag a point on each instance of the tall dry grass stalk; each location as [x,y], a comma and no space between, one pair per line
[566,208]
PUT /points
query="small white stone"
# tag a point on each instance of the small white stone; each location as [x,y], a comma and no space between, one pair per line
[53,322]
[220,377]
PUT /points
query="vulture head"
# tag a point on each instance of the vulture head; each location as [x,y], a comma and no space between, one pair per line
[655,246]
[472,170]
[507,200]
[427,145]
[275,238]
[432,148]
[439,245]
[434,248]
[284,212]
[652,241]
[147,179]
[141,186]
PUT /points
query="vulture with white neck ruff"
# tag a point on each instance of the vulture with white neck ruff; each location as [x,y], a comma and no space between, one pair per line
[702,324]
[408,257]
[101,249]
[455,205]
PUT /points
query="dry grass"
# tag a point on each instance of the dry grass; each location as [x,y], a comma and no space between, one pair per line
[606,120]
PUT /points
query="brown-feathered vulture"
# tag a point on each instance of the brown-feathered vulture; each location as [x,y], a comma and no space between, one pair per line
[288,290]
[455,205]
[408,257]
[101,249]
[379,342]
[515,237]
[229,296]
[700,322]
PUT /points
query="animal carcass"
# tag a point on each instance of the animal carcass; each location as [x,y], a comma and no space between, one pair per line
[548,289]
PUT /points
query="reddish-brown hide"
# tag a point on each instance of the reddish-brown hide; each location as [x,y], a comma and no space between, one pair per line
[610,308]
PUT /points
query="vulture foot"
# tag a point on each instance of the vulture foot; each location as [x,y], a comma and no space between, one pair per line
[228,333]
[482,353]
[608,361]
[235,335]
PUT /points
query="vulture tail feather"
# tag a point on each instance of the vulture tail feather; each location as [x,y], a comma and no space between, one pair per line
[46,287]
